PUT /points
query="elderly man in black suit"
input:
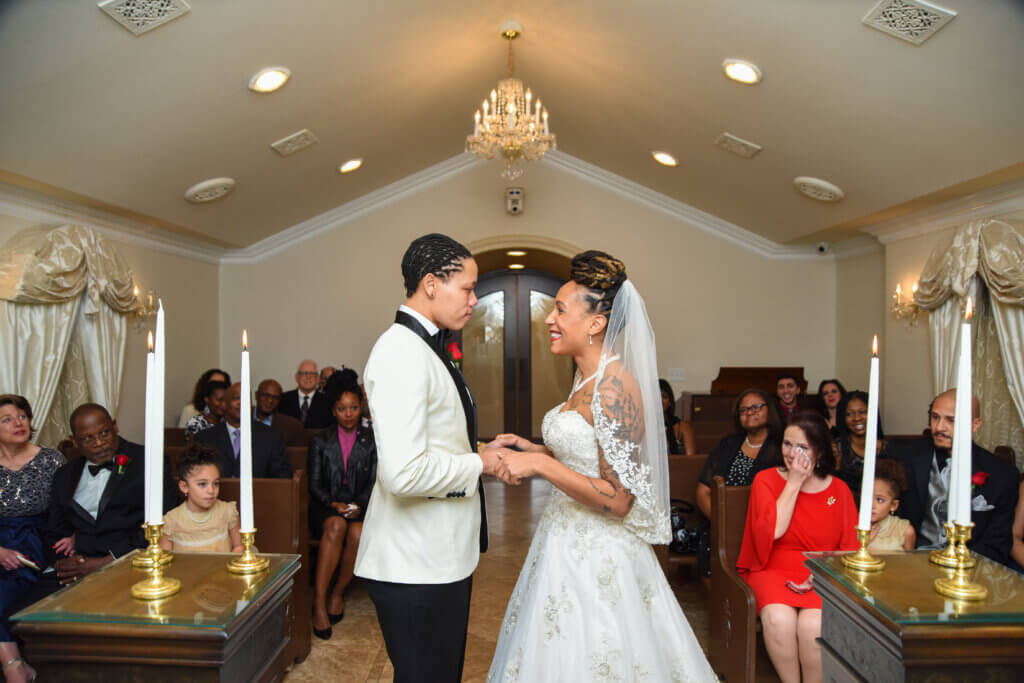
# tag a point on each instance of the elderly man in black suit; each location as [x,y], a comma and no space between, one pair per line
[305,403]
[993,491]
[268,455]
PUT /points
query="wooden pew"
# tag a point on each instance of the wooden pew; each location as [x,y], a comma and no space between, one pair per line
[297,457]
[683,471]
[281,516]
[733,613]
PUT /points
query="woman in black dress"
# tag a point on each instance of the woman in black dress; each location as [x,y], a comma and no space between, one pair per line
[852,423]
[754,446]
[342,470]
[678,434]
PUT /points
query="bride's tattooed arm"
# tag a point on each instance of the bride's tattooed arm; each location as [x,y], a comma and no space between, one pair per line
[621,414]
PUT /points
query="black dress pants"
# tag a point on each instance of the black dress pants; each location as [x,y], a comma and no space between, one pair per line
[424,627]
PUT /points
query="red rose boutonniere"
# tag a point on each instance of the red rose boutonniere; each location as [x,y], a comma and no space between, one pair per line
[455,354]
[978,479]
[121,461]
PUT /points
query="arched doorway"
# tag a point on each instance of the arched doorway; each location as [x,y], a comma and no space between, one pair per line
[506,345]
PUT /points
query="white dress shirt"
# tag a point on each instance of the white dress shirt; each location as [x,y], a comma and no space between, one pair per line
[90,489]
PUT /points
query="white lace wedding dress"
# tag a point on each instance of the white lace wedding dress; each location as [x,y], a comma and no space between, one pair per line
[591,603]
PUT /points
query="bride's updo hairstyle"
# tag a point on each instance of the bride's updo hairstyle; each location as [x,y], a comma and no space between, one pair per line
[602,274]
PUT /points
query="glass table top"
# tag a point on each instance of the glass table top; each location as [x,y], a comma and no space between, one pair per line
[904,590]
[210,596]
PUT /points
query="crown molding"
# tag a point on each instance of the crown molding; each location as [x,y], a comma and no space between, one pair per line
[27,205]
[991,202]
[349,211]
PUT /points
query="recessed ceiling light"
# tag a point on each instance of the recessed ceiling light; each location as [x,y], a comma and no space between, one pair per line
[516,266]
[664,158]
[742,71]
[516,252]
[269,79]
[350,165]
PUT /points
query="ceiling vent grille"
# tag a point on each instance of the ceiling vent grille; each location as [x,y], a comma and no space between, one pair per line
[294,143]
[819,189]
[915,21]
[209,190]
[737,145]
[140,16]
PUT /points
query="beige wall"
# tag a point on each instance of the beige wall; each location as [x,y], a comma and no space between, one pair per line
[712,303]
[859,314]
[189,291]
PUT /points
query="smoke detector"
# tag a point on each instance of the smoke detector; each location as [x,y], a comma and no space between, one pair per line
[819,189]
[209,190]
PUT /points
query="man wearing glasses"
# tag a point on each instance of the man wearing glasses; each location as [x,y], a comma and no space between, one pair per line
[305,403]
[268,398]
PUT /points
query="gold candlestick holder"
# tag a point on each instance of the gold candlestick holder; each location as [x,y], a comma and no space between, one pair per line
[157,586]
[958,587]
[248,562]
[862,560]
[947,557]
[153,555]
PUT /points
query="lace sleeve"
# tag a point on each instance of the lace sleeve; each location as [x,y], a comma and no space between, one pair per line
[619,427]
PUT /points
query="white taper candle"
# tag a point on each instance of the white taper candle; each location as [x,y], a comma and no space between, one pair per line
[867,484]
[150,440]
[960,474]
[245,443]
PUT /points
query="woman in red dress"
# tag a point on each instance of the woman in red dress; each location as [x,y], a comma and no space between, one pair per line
[793,509]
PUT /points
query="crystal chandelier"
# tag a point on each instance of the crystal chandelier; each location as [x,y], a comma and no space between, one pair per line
[510,121]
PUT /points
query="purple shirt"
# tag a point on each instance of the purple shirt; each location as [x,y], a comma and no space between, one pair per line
[347,441]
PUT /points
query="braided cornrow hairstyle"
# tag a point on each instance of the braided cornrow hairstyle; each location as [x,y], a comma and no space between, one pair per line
[602,274]
[434,254]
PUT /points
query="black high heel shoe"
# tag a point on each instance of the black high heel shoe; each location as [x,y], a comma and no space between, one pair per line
[335,618]
[323,633]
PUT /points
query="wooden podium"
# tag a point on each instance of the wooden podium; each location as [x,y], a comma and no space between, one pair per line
[891,626]
[219,627]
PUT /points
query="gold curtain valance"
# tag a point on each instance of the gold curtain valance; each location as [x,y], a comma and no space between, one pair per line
[52,265]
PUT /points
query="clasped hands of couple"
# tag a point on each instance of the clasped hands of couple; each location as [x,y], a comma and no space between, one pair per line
[512,466]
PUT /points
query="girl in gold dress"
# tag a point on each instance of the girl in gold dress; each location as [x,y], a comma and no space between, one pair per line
[889,532]
[203,523]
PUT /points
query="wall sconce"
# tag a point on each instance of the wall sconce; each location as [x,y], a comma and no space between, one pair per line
[907,311]
[145,309]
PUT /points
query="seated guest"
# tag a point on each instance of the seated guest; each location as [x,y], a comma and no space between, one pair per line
[325,374]
[994,489]
[305,403]
[342,471]
[215,397]
[830,393]
[849,444]
[889,532]
[795,508]
[198,403]
[1017,552]
[787,389]
[678,434]
[203,523]
[752,447]
[268,396]
[26,476]
[268,455]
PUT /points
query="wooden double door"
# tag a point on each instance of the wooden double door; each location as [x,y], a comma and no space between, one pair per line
[507,357]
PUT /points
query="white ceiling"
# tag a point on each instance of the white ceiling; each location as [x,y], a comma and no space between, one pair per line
[129,121]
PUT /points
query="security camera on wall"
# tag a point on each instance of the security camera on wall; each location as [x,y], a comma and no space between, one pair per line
[514,200]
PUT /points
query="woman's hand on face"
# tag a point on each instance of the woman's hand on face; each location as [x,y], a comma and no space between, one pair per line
[802,467]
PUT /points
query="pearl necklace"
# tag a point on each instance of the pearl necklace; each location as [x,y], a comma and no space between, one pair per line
[204,520]
[747,441]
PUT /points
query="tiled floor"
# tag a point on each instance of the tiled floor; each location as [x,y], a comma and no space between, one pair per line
[356,654]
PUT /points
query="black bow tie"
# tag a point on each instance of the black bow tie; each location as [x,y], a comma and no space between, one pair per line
[96,469]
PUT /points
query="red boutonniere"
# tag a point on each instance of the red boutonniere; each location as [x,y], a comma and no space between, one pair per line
[121,461]
[978,479]
[455,353]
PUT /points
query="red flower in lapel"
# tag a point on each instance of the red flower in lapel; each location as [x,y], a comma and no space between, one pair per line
[121,460]
[454,351]
[978,479]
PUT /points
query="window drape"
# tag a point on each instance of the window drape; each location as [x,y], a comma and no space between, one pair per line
[63,295]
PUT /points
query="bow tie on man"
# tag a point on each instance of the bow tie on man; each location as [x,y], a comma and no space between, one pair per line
[96,469]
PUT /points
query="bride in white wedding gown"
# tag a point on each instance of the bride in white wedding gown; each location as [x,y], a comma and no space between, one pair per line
[591,603]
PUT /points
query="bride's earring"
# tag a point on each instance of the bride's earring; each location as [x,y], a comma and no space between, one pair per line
[591,339]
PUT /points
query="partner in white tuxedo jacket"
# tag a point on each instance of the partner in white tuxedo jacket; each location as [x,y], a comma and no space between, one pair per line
[422,533]
[423,521]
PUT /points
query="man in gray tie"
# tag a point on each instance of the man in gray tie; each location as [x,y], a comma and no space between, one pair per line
[927,462]
[305,403]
